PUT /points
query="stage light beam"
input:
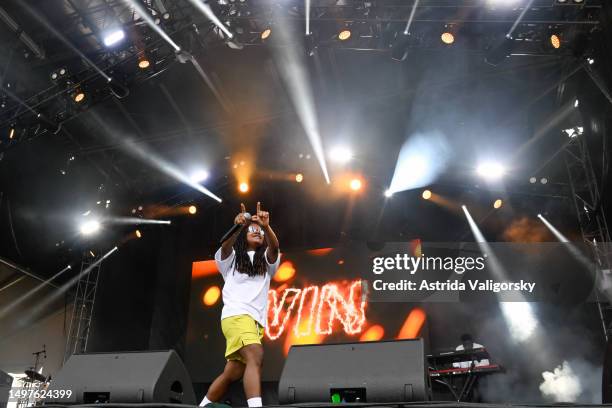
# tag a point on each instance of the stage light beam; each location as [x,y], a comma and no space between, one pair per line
[29,294]
[199,176]
[144,14]
[518,316]
[43,305]
[207,11]
[422,158]
[292,69]
[555,231]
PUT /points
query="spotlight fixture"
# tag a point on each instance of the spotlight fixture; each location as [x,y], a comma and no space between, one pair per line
[498,203]
[60,72]
[243,187]
[143,62]
[90,227]
[340,154]
[265,34]
[388,193]
[299,177]
[78,95]
[574,132]
[355,184]
[426,194]
[555,41]
[138,234]
[12,132]
[344,34]
[113,37]
[490,170]
[193,209]
[447,38]
[533,180]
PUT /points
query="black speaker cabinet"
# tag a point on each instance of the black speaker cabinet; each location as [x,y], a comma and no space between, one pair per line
[156,376]
[381,371]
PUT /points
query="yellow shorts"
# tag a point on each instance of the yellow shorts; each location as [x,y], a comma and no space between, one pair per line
[240,331]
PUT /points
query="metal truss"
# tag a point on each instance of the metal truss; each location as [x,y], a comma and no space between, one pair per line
[593,224]
[82,311]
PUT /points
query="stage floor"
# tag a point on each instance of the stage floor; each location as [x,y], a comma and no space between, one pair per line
[437,404]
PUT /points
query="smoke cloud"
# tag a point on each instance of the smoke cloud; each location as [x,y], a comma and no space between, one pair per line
[562,384]
[572,382]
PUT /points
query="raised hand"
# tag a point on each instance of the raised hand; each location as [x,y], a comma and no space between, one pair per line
[262,217]
[240,218]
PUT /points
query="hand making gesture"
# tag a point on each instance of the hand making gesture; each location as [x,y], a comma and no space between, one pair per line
[262,218]
[241,218]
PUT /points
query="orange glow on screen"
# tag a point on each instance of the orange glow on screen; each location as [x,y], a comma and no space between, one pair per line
[292,339]
[413,324]
[374,333]
[201,269]
[285,272]
[320,251]
[211,296]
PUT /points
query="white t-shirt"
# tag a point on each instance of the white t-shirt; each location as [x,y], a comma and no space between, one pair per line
[467,364]
[244,294]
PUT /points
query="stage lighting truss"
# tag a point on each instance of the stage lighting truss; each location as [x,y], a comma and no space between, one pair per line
[376,26]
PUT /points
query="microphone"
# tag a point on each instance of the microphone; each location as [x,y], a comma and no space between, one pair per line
[234,228]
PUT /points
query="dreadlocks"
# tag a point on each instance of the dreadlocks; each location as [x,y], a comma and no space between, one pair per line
[242,262]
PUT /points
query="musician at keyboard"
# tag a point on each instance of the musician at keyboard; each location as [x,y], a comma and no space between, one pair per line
[467,343]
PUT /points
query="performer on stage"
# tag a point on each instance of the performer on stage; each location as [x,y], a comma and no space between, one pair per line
[467,343]
[247,261]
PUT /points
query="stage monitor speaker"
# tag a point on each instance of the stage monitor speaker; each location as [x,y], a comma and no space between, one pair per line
[133,377]
[382,371]
[6,382]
